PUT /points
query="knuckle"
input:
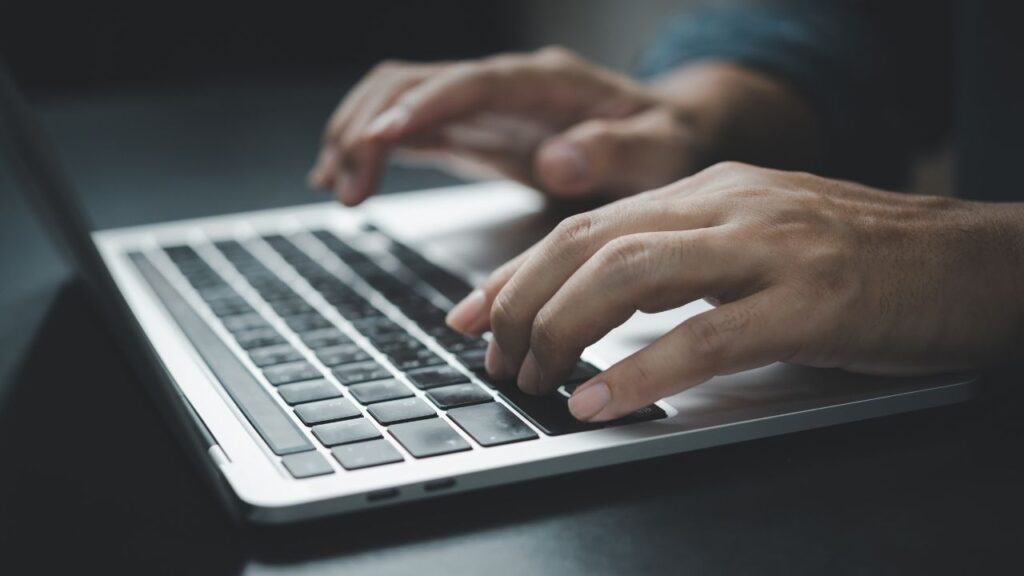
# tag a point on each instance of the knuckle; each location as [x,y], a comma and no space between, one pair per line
[726,168]
[388,67]
[556,56]
[575,231]
[545,336]
[625,257]
[705,338]
[503,318]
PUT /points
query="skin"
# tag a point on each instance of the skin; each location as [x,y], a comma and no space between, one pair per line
[803,269]
[800,268]
[562,125]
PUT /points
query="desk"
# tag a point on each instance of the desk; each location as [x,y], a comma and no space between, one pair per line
[93,479]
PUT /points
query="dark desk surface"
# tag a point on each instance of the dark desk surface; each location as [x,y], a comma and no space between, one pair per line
[92,478]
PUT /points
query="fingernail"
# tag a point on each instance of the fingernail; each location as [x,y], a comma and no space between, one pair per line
[589,400]
[389,121]
[466,313]
[530,375]
[566,164]
[494,362]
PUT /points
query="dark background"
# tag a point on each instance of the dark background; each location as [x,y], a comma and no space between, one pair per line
[61,48]
[164,111]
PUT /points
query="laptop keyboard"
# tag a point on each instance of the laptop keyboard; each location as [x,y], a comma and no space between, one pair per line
[389,381]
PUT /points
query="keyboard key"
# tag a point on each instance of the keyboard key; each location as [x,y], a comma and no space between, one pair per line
[293,372]
[458,395]
[419,359]
[403,410]
[324,338]
[345,431]
[258,338]
[491,424]
[582,372]
[290,305]
[431,437]
[344,354]
[307,322]
[270,421]
[231,306]
[360,372]
[326,411]
[306,464]
[244,322]
[473,359]
[379,391]
[308,391]
[272,355]
[551,413]
[433,377]
[366,454]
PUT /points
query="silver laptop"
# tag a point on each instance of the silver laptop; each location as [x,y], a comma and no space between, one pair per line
[302,353]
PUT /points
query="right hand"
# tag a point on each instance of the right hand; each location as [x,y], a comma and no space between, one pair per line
[547,119]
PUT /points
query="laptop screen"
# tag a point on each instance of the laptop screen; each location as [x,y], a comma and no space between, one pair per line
[26,153]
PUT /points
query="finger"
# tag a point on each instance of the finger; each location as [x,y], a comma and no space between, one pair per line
[755,331]
[472,314]
[564,250]
[620,156]
[650,272]
[360,157]
[324,172]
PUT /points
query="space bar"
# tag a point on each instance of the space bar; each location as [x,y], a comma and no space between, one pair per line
[266,416]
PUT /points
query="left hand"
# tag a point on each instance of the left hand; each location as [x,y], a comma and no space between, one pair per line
[802,269]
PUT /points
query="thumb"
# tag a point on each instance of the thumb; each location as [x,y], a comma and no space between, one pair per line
[620,156]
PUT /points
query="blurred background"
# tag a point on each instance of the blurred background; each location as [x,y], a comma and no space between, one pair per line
[169,110]
[166,111]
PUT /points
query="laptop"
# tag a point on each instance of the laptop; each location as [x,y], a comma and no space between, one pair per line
[301,354]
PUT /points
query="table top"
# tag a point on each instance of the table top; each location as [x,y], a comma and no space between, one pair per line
[91,475]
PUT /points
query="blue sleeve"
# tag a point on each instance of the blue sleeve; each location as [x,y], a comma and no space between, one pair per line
[876,74]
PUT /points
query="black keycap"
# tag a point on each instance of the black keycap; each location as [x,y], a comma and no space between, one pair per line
[473,359]
[360,372]
[491,424]
[308,391]
[403,410]
[307,322]
[273,355]
[582,372]
[344,354]
[431,437]
[324,338]
[379,391]
[326,411]
[231,306]
[290,305]
[269,420]
[366,454]
[458,395]
[306,464]
[244,322]
[551,413]
[435,376]
[293,372]
[345,431]
[258,338]
[421,359]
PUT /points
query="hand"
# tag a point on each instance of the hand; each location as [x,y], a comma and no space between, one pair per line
[802,269]
[548,119]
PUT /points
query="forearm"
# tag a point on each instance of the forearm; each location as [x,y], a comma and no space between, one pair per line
[742,114]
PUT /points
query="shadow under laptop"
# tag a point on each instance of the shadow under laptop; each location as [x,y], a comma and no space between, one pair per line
[93,476]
